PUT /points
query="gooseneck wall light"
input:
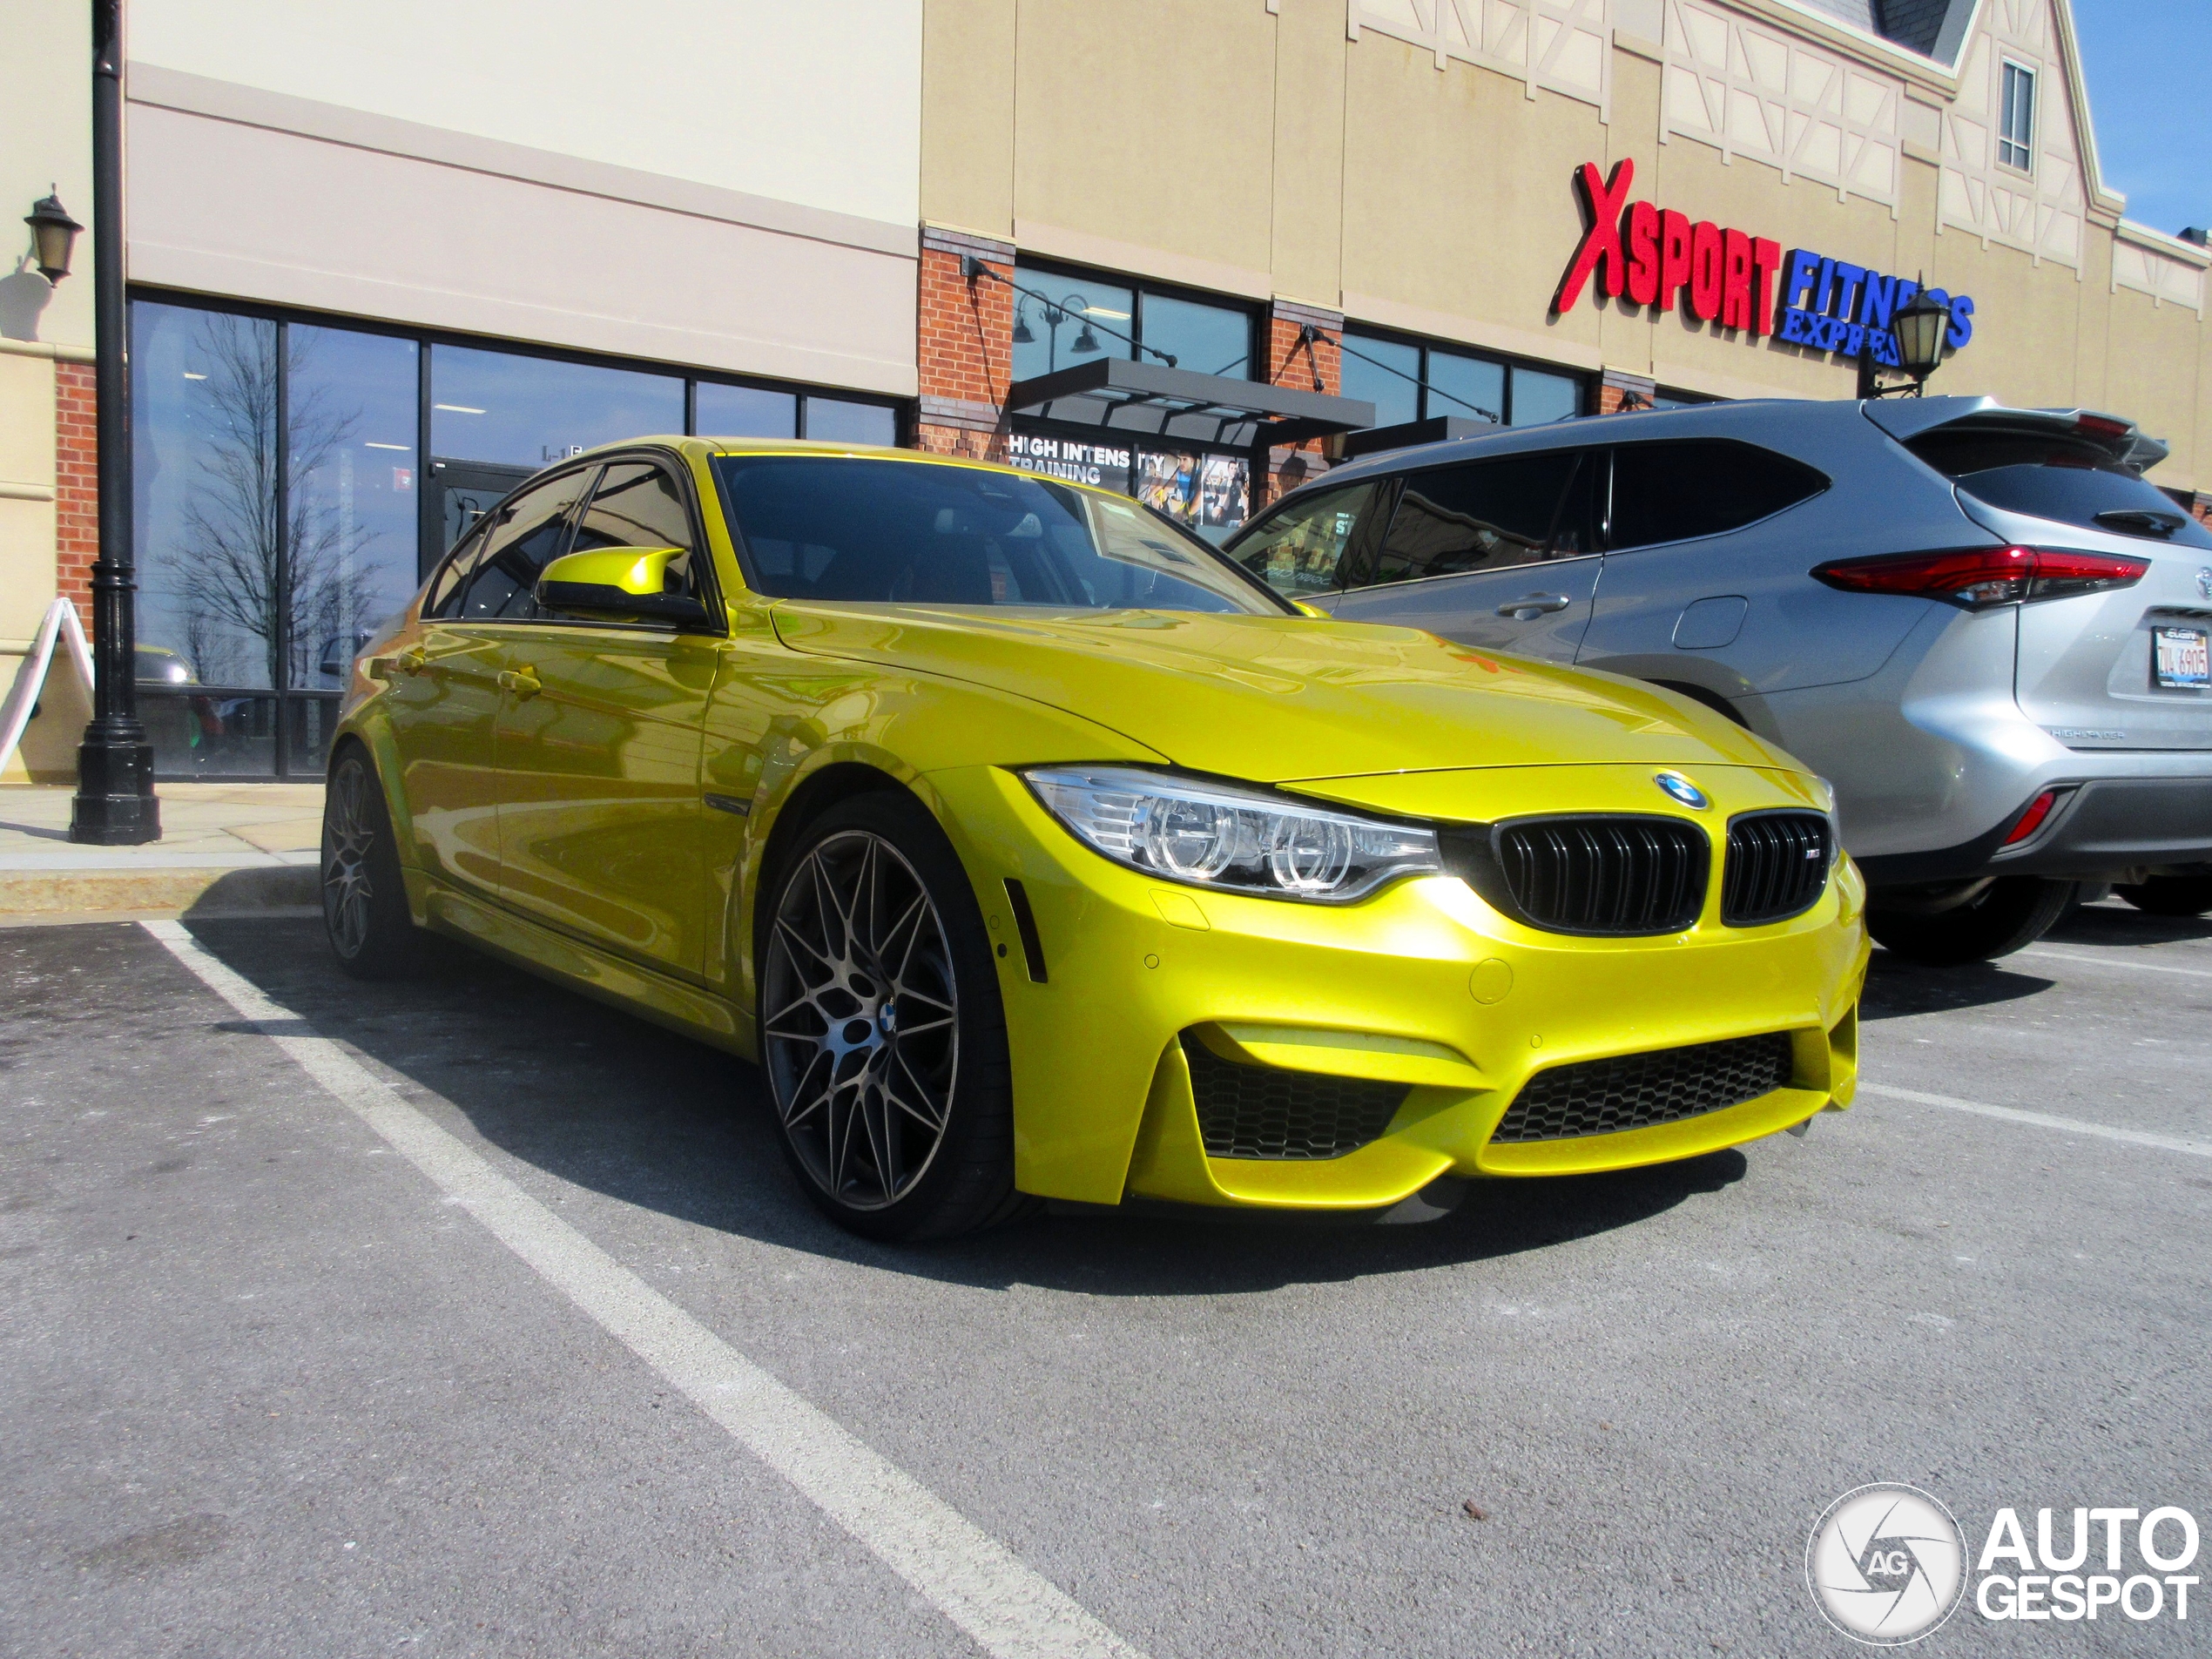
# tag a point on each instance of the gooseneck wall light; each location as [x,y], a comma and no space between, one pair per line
[53,234]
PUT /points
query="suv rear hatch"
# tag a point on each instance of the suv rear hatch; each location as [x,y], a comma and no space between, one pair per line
[2118,667]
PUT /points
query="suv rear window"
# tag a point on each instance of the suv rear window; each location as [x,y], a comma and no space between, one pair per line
[1677,489]
[2057,477]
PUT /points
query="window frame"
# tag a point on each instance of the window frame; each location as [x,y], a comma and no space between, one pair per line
[2009,68]
[1355,332]
[1368,545]
[1605,514]
[1139,288]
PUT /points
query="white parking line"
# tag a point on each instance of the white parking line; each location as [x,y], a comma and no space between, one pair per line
[1008,1608]
[2045,1120]
[2113,961]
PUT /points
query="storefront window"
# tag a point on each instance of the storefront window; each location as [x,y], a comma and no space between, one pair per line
[1538,397]
[1472,388]
[513,411]
[1212,339]
[1386,373]
[1064,320]
[745,412]
[351,414]
[841,423]
[1407,381]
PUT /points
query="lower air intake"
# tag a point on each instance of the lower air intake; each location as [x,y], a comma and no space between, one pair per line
[1264,1112]
[1636,1090]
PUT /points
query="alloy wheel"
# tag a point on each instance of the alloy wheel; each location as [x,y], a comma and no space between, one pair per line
[862,1037]
[348,833]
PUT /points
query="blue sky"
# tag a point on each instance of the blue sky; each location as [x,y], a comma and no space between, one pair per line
[2146,62]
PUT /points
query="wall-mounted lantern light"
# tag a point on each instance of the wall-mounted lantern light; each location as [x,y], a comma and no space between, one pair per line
[1920,329]
[54,237]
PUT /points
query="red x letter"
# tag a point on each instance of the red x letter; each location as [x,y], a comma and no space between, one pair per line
[1602,240]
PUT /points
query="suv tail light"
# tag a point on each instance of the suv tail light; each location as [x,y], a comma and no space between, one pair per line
[1979,577]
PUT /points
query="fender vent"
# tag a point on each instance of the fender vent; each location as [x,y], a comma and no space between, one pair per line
[1636,1090]
[1266,1112]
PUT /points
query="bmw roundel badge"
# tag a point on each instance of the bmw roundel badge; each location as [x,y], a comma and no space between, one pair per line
[1683,790]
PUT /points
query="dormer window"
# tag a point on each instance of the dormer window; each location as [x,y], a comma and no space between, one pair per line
[2016,120]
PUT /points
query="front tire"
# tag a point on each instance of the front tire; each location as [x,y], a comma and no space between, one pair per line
[2009,915]
[364,901]
[2169,895]
[882,1028]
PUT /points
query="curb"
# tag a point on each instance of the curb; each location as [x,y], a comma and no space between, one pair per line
[52,894]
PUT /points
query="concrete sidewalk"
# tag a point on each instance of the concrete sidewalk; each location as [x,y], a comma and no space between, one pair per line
[225,848]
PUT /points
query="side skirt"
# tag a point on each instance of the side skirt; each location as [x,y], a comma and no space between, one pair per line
[554,956]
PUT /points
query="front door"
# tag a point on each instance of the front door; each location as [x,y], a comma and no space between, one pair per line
[600,826]
[1497,554]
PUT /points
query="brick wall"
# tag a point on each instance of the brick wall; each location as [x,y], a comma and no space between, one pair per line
[1619,390]
[76,488]
[1294,362]
[964,346]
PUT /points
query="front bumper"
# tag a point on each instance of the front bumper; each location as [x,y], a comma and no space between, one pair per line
[1424,985]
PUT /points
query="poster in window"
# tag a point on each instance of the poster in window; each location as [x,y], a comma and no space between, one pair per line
[1209,493]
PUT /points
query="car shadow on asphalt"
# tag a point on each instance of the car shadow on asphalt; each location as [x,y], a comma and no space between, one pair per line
[2116,922]
[1896,988]
[612,1104]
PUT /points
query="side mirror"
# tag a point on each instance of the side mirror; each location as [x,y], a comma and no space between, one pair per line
[618,582]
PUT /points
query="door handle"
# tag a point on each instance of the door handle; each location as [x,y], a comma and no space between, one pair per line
[523,682]
[1532,605]
[412,661]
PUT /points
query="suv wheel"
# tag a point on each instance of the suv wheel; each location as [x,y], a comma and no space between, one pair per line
[2170,896]
[881,1029]
[2011,912]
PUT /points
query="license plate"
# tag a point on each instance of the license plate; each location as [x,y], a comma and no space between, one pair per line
[2181,656]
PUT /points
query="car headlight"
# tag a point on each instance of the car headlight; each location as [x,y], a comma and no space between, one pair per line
[1239,840]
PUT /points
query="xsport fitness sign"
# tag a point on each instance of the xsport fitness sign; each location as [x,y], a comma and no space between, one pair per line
[1656,257]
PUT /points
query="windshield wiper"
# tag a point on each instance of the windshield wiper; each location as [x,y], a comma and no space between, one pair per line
[2140,521]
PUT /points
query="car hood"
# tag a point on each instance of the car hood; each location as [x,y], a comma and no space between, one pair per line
[1284,699]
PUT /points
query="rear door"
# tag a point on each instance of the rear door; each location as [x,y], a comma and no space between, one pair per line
[1499,553]
[2123,668]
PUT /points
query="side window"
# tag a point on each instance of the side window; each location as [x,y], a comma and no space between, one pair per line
[526,535]
[638,505]
[1300,550]
[452,578]
[1484,515]
[1676,490]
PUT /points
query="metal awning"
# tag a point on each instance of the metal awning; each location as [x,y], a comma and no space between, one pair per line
[1151,399]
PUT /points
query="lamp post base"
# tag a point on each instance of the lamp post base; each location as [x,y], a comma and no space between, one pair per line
[115,805]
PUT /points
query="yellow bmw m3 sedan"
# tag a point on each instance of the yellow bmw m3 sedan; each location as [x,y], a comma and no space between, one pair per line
[1034,850]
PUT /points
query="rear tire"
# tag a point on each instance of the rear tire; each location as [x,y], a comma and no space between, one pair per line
[882,1028]
[2010,913]
[364,898]
[2170,896]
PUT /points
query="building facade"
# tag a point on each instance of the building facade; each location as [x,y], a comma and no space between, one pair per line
[1513,210]
[1176,248]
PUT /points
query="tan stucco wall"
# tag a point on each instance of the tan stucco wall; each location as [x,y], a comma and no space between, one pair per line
[1269,148]
[45,144]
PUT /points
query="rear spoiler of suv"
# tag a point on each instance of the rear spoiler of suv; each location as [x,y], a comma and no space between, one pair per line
[1904,418]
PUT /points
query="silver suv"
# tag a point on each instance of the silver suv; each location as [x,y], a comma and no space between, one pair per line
[1981,624]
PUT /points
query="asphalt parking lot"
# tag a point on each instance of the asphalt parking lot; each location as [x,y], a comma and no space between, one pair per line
[287,1370]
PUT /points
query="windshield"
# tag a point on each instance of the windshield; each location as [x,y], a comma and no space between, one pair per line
[904,532]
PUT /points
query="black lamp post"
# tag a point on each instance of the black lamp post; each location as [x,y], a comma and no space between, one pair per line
[115,804]
[53,235]
[1919,327]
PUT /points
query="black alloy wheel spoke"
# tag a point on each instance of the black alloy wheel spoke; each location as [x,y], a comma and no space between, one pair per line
[856,945]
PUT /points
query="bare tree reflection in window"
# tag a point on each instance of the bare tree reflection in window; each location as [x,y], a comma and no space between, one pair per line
[237,550]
